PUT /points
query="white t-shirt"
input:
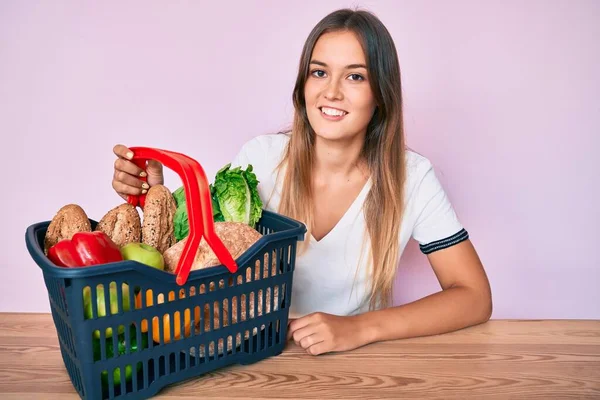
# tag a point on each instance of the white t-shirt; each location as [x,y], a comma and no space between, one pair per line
[326,278]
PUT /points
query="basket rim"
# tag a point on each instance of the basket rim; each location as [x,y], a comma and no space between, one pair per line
[297,231]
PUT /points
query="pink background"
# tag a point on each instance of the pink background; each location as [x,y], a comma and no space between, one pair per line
[502,96]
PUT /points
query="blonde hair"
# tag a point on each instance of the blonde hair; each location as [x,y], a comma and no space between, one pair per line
[383,150]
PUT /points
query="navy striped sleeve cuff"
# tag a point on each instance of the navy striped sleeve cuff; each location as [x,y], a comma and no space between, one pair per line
[458,237]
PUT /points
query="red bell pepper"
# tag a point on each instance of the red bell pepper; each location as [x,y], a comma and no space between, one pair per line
[84,249]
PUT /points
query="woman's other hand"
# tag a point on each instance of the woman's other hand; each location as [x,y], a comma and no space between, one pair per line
[320,333]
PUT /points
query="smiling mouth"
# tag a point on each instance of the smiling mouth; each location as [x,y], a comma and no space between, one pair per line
[332,112]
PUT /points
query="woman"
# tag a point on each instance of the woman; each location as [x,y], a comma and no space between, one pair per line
[344,171]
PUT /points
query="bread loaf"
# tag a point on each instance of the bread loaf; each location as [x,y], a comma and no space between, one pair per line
[158,225]
[122,224]
[237,238]
[69,220]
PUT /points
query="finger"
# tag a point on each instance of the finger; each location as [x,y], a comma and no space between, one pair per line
[130,181]
[123,151]
[129,168]
[306,331]
[122,180]
[124,190]
[318,348]
[289,332]
[311,340]
[297,324]
[154,167]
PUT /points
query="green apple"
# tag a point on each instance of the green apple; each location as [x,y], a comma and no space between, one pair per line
[101,304]
[143,253]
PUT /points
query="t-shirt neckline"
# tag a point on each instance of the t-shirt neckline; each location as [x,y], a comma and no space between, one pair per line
[350,214]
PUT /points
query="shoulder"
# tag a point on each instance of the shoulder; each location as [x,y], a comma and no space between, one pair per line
[424,192]
[267,144]
[262,151]
[418,167]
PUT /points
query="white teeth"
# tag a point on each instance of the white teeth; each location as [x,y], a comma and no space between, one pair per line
[332,112]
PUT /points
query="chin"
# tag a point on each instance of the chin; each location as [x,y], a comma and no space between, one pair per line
[331,134]
[335,134]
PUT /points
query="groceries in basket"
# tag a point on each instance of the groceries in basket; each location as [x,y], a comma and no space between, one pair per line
[130,317]
[156,239]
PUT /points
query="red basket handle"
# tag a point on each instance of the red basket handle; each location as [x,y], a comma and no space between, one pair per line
[198,203]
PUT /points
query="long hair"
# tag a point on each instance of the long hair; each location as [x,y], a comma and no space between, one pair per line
[384,147]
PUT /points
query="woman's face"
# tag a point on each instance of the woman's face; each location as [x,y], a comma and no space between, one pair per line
[339,100]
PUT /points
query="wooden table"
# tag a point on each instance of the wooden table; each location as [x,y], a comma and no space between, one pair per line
[496,360]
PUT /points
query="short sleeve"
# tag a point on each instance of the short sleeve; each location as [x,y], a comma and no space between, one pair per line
[260,151]
[437,226]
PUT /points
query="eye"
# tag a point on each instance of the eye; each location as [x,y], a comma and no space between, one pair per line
[356,77]
[318,73]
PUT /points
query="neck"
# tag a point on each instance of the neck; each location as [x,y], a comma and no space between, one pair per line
[341,158]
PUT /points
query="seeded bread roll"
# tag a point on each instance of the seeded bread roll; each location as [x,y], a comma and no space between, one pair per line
[69,220]
[159,210]
[122,224]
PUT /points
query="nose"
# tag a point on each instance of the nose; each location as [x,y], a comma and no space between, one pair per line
[333,90]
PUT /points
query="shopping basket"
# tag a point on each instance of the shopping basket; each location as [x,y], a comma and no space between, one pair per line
[160,329]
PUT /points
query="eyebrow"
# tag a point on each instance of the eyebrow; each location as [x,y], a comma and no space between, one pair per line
[350,66]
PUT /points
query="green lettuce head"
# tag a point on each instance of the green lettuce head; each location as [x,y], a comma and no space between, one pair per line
[180,220]
[234,198]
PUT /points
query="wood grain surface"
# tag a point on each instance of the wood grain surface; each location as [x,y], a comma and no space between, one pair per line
[497,360]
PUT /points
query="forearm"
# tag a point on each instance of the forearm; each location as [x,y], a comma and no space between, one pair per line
[445,311]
